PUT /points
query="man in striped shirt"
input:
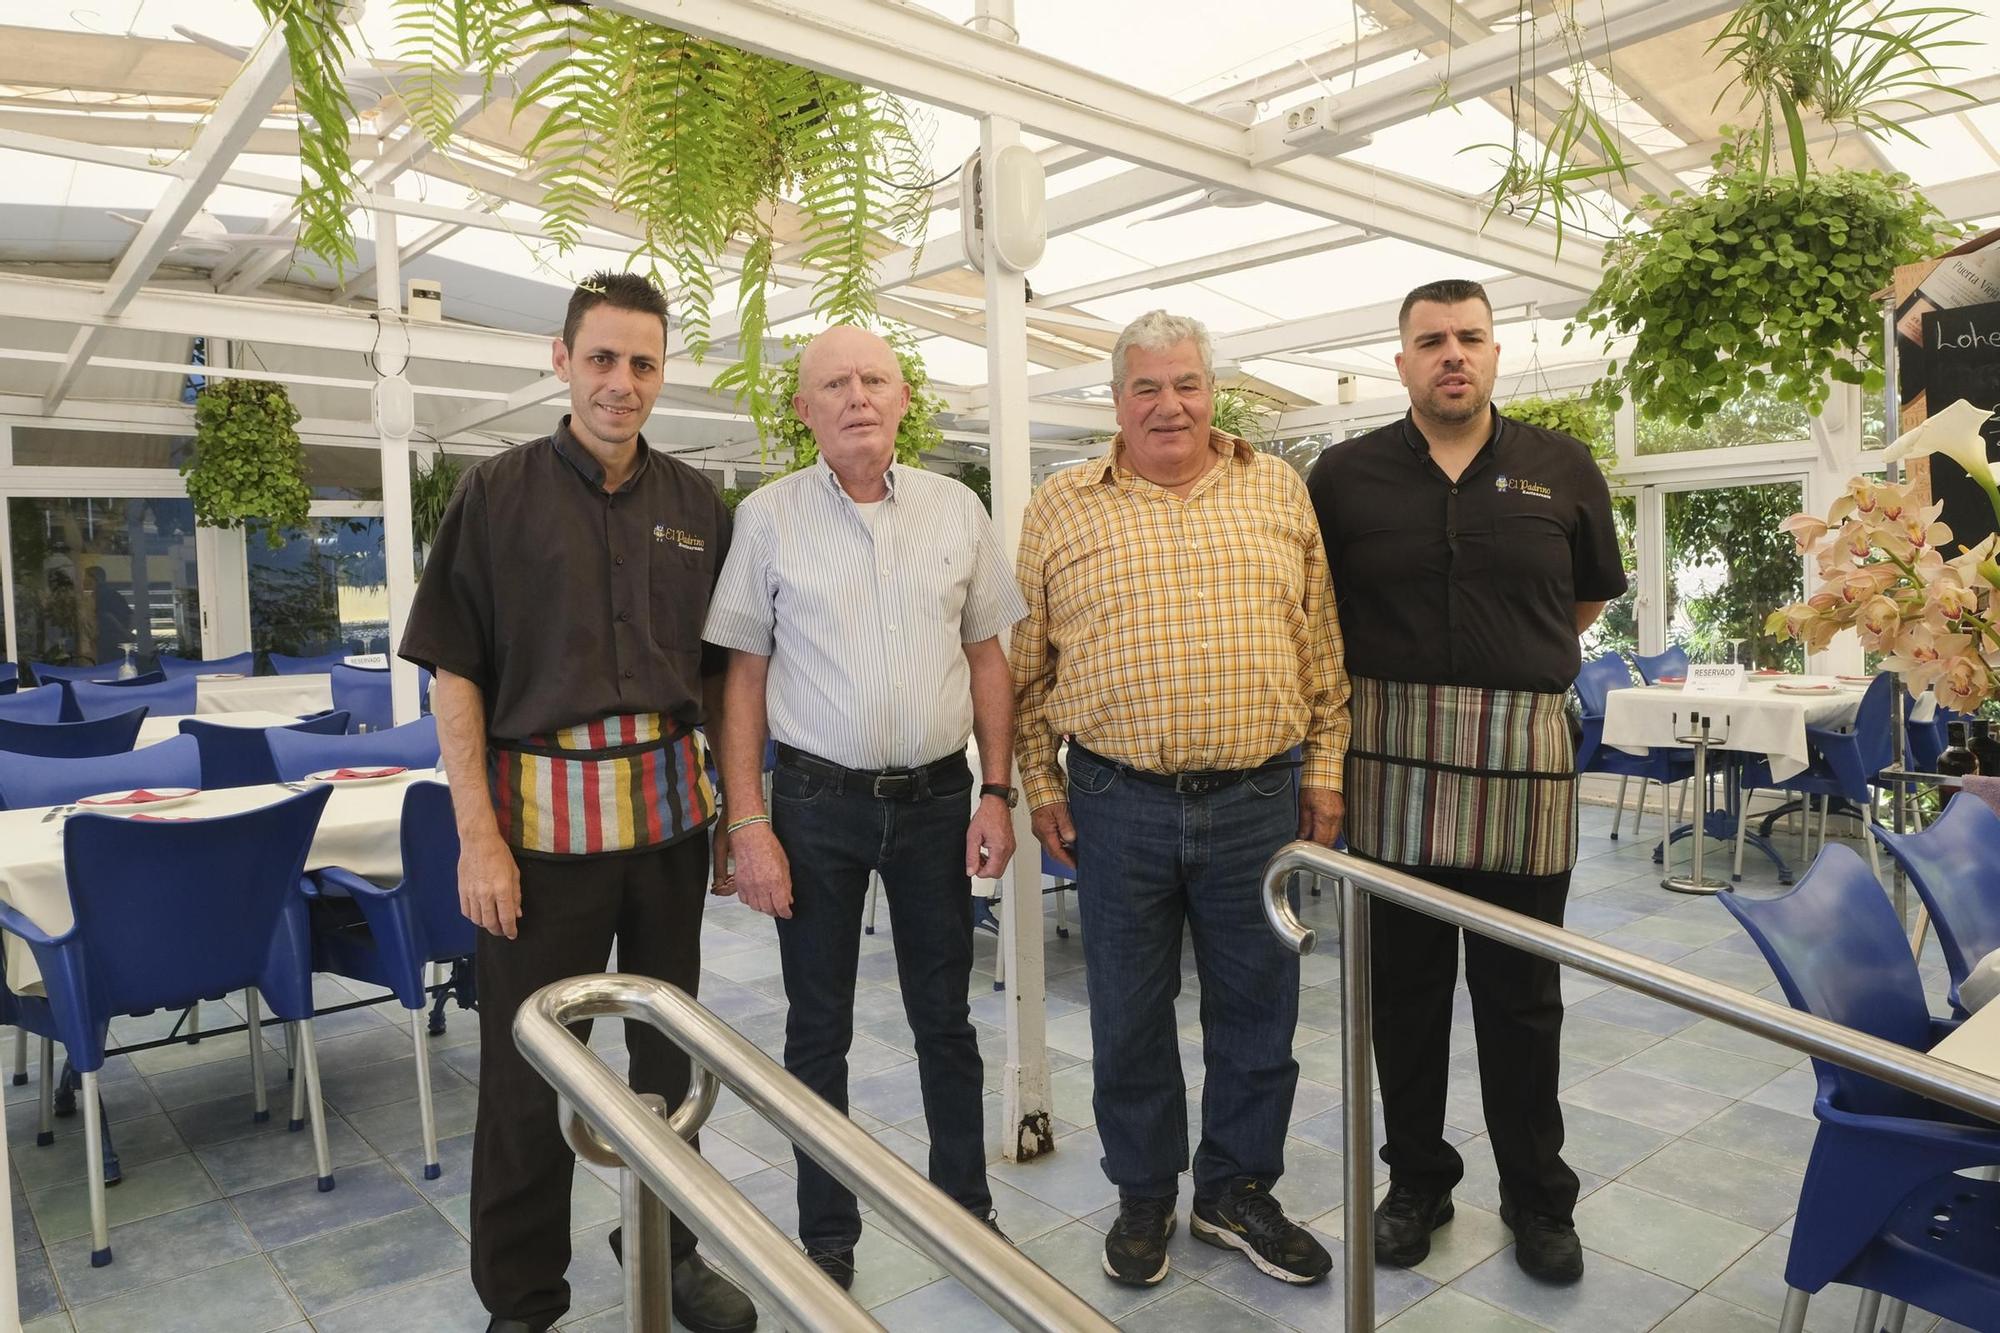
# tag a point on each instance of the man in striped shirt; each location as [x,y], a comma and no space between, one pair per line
[1181,633]
[862,605]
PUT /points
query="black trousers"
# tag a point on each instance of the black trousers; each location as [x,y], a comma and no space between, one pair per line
[1517,1016]
[650,903]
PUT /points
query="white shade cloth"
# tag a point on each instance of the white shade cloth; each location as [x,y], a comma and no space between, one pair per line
[361,830]
[1759,719]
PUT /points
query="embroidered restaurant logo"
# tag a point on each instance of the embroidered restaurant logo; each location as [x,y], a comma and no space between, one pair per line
[1521,486]
[687,541]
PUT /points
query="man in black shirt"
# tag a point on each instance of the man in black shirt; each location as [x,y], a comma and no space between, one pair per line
[1467,553]
[561,608]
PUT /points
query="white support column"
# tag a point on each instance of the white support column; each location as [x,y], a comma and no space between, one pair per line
[10,645]
[1655,572]
[1836,432]
[1025,1100]
[391,389]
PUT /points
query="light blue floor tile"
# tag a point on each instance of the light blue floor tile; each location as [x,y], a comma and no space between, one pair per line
[1069,1179]
[1612,1297]
[148,1190]
[1645,1100]
[266,1159]
[362,1261]
[244,1296]
[146,1139]
[1448,1310]
[296,1210]
[35,1285]
[1198,1309]
[1075,1255]
[1740,1188]
[1703,1067]
[943,1305]
[442,1304]
[1674,1240]
[143,1253]
[1756,1131]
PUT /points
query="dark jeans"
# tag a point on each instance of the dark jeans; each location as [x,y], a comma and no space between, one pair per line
[833,840]
[572,909]
[1517,1014]
[1150,862]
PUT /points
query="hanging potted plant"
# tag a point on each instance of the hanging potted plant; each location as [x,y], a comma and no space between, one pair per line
[431,489]
[1762,280]
[248,464]
[779,428]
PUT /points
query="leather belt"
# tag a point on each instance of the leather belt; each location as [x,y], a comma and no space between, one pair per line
[1199,782]
[882,784]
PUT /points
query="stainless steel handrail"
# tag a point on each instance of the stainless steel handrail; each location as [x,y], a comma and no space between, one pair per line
[615,1122]
[1360,881]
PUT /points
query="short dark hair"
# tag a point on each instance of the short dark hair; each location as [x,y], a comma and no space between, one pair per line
[1445,291]
[622,291]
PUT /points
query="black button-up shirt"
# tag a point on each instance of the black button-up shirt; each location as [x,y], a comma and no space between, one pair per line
[565,603]
[1467,582]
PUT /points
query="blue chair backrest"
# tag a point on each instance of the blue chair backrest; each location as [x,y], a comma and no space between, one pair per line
[43,705]
[430,870]
[45,673]
[1955,864]
[241,756]
[1598,678]
[176,667]
[27,780]
[166,698]
[363,694]
[1840,954]
[1673,662]
[171,912]
[1927,741]
[10,678]
[73,740]
[286,665]
[296,753]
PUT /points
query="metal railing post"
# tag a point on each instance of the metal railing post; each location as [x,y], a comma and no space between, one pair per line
[649,1288]
[1357,1020]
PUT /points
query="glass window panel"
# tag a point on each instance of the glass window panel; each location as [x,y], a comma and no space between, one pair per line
[1728,567]
[1750,419]
[324,589]
[1617,630]
[43,446]
[93,575]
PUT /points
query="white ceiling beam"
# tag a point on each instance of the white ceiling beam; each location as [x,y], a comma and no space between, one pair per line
[911,52]
[1922,105]
[111,129]
[1966,199]
[421,246]
[1566,378]
[1316,241]
[238,112]
[181,370]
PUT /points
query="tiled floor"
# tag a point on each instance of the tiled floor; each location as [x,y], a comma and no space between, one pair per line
[1690,1138]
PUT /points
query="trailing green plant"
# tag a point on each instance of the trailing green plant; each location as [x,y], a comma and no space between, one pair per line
[978,479]
[1244,414]
[700,146]
[431,489]
[1581,417]
[1757,283]
[780,429]
[248,465]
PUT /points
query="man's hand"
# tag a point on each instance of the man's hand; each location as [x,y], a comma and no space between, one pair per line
[763,876]
[720,881]
[489,885]
[1320,814]
[1056,834]
[989,839]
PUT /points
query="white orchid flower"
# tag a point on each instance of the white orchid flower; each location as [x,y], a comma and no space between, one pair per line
[1953,433]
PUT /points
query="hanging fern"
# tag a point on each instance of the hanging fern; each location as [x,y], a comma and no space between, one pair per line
[698,144]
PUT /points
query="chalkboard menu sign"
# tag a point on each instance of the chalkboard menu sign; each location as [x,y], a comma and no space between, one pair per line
[1962,360]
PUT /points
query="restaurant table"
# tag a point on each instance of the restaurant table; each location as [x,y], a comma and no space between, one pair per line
[361,830]
[168,725]
[1976,1043]
[310,692]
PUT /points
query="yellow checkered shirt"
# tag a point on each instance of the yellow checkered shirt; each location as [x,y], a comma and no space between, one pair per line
[1177,635]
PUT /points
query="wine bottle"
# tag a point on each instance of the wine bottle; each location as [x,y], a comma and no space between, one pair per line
[1985,746]
[1957,759]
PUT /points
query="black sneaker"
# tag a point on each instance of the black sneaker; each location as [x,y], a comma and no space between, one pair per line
[1546,1249]
[1135,1252]
[707,1302]
[1404,1222]
[1247,1218]
[992,1221]
[836,1264]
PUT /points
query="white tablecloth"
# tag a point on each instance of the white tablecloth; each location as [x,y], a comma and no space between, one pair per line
[1976,1044]
[294,696]
[1757,720]
[360,829]
[168,725]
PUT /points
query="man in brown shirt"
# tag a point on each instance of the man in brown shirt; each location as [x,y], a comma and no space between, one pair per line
[561,607]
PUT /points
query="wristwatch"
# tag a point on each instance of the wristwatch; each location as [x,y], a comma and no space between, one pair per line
[1003,791]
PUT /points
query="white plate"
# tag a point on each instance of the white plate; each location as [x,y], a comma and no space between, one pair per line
[1784,688]
[111,802]
[364,775]
[219,675]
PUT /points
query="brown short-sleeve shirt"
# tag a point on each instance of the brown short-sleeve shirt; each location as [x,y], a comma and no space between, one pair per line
[564,603]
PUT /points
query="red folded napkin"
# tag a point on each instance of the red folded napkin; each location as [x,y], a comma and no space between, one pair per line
[349,774]
[139,797]
[166,819]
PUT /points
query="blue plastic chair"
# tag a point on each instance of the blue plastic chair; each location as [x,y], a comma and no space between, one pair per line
[296,752]
[1673,662]
[1665,766]
[1955,864]
[286,665]
[166,698]
[27,782]
[168,914]
[176,667]
[44,705]
[10,678]
[46,673]
[407,927]
[363,694]
[72,740]
[241,756]
[1843,764]
[1880,1208]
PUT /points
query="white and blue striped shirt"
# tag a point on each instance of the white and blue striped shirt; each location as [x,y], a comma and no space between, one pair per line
[865,624]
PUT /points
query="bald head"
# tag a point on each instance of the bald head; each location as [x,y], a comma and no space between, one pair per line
[852,397]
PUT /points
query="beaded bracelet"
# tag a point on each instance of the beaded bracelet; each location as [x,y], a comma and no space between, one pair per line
[745,822]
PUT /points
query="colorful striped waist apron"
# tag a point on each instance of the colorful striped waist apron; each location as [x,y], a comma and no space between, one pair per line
[619,784]
[1461,778]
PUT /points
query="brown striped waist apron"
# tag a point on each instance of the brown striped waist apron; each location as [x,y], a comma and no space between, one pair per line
[1461,778]
[619,784]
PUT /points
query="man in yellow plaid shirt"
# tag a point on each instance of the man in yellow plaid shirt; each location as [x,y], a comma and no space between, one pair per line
[1181,633]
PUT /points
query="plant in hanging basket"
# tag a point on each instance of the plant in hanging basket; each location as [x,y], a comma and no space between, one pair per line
[779,428]
[247,464]
[431,489]
[1580,418]
[1757,283]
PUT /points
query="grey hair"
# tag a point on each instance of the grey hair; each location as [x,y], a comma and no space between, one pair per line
[1155,331]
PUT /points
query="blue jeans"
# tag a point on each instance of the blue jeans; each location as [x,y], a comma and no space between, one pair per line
[1149,862]
[833,840]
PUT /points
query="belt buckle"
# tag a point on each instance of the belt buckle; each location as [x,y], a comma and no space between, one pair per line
[1191,784]
[876,785]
